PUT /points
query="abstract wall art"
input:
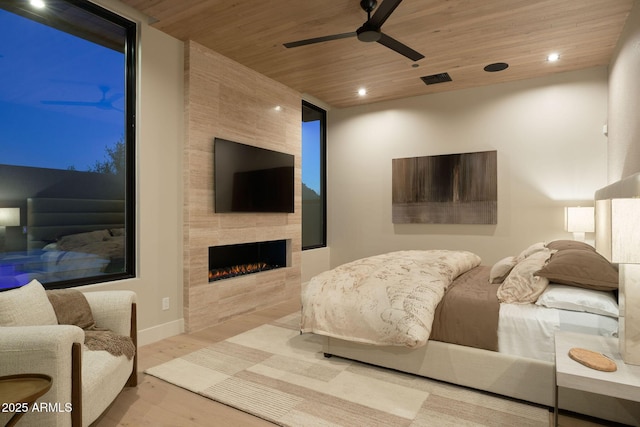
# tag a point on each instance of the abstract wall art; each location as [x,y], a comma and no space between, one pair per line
[445,189]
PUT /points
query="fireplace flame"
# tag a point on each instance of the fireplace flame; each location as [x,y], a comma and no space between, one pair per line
[238,270]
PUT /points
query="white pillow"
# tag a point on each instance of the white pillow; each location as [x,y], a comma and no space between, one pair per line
[501,269]
[50,247]
[26,306]
[579,299]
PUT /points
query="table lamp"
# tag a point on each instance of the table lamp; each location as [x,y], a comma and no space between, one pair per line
[579,220]
[9,217]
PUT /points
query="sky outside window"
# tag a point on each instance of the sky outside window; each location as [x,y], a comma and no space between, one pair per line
[61,96]
[311,155]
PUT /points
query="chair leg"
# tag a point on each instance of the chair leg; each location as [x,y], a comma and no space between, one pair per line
[133,379]
[76,385]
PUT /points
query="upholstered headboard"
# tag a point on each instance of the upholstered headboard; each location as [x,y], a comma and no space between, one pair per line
[50,218]
[625,188]
[629,189]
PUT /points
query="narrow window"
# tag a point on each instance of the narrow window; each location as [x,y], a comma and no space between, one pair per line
[314,212]
[67,116]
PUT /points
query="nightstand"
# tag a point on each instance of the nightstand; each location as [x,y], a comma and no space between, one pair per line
[623,383]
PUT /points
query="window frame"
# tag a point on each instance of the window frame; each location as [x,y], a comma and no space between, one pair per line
[63,21]
[323,172]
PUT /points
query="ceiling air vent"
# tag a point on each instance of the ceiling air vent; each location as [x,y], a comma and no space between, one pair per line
[436,78]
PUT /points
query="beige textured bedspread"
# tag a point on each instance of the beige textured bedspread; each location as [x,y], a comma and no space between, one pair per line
[387,299]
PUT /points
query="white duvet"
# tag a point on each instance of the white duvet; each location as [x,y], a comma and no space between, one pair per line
[388,299]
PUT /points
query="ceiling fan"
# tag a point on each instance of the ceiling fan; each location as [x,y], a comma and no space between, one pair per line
[103,103]
[370,30]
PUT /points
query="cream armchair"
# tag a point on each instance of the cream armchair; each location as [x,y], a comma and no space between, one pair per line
[87,380]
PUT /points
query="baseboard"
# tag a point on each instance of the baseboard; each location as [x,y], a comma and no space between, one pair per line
[160,332]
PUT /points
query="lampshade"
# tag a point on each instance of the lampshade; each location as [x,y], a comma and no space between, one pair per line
[579,219]
[9,217]
[618,230]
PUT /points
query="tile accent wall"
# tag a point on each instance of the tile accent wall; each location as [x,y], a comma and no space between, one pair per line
[227,100]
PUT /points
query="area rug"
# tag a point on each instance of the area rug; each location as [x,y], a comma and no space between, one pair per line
[277,374]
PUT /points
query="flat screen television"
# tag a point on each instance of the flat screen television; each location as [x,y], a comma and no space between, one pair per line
[251,179]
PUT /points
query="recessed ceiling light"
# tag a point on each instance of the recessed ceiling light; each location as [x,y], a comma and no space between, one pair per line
[553,57]
[496,66]
[37,3]
[362,91]
[277,108]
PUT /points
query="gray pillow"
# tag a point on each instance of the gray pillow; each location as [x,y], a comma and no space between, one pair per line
[562,245]
[582,268]
[74,241]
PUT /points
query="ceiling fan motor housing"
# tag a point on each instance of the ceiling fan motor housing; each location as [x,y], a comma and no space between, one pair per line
[368,33]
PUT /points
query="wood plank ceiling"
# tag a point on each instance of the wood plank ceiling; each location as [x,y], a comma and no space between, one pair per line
[459,37]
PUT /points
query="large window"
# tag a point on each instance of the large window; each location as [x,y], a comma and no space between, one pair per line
[314,212]
[67,116]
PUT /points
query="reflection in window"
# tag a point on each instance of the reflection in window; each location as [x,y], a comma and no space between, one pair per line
[314,228]
[66,144]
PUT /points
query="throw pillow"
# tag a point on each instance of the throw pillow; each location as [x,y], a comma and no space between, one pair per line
[501,269]
[26,306]
[71,308]
[521,285]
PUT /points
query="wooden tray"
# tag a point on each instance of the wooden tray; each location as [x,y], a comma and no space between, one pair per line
[592,359]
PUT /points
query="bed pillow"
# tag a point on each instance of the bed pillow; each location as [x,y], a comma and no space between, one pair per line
[501,269]
[116,231]
[26,306]
[585,269]
[74,241]
[561,245]
[579,299]
[536,247]
[522,286]
[50,247]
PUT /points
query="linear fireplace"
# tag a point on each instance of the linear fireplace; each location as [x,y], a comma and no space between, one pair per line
[230,261]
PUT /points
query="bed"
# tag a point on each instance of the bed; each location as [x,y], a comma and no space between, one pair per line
[547,287]
[69,239]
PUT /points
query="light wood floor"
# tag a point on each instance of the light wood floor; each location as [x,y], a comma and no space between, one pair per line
[157,403]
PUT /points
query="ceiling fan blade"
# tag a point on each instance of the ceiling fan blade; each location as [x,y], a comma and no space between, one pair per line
[78,103]
[401,48]
[383,12]
[114,97]
[102,105]
[319,39]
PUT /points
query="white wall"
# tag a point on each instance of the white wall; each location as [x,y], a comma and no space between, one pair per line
[624,102]
[159,142]
[551,153]
[315,261]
